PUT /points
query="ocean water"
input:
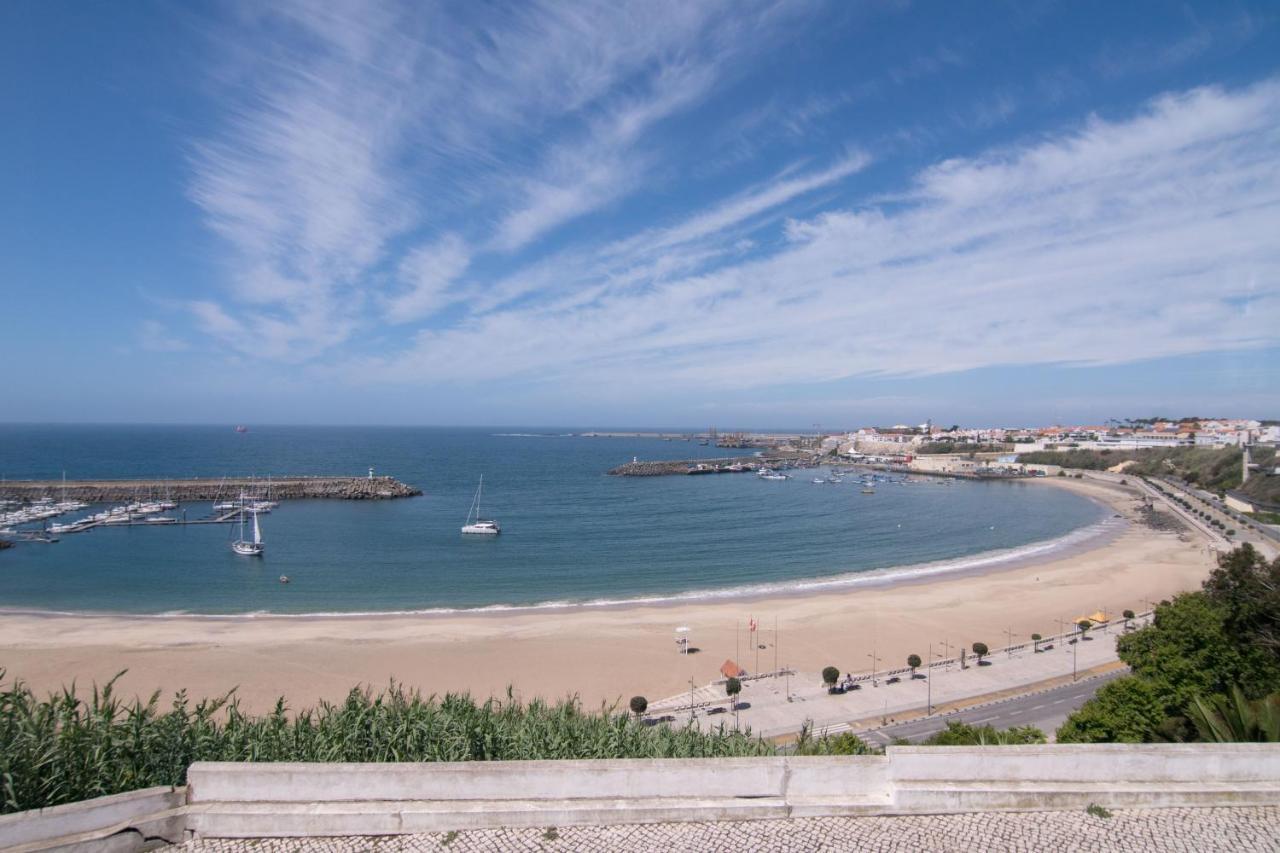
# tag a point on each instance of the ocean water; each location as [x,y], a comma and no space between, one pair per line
[570,534]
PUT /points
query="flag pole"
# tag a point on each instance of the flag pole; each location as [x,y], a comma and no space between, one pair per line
[755,641]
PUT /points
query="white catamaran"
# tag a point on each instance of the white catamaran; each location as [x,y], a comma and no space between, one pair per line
[242,545]
[477,525]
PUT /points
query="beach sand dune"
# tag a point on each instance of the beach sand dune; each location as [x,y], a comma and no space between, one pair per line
[603,655]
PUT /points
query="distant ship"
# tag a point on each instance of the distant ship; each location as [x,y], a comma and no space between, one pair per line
[242,429]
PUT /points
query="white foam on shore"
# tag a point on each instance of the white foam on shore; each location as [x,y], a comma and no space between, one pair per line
[976,563]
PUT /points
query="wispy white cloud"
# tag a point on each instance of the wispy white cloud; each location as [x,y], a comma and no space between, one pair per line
[1147,55]
[156,337]
[334,116]
[429,271]
[1111,242]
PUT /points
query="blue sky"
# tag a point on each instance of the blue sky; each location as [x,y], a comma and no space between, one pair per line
[739,213]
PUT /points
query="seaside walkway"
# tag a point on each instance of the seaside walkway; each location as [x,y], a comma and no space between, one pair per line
[779,706]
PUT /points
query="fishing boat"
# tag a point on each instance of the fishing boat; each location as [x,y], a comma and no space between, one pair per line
[245,547]
[475,524]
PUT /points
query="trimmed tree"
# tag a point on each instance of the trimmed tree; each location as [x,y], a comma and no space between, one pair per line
[1084,625]
[1128,616]
[1035,642]
[732,688]
[639,705]
[980,649]
[830,675]
[913,661]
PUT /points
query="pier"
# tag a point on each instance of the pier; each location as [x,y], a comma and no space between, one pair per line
[206,489]
[707,465]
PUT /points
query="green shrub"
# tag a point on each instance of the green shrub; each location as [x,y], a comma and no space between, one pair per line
[67,748]
[962,734]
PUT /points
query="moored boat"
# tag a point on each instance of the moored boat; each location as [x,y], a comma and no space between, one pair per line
[476,525]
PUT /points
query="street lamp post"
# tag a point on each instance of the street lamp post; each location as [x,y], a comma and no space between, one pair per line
[874,660]
[1075,650]
[1008,645]
[928,681]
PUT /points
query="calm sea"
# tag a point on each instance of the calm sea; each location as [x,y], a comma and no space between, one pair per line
[570,534]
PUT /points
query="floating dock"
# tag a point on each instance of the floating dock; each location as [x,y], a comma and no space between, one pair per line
[207,489]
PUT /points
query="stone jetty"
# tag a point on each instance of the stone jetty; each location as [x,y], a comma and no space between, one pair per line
[278,488]
[667,467]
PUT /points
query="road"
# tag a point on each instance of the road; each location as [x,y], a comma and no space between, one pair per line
[1046,710]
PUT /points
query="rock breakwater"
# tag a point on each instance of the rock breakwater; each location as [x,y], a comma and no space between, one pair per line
[667,467]
[286,488]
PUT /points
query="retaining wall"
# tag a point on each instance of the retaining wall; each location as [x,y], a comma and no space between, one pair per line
[313,800]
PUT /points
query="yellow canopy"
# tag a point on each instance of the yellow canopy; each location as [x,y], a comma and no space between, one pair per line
[1095,617]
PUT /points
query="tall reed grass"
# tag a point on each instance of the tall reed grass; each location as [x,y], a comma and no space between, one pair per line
[67,747]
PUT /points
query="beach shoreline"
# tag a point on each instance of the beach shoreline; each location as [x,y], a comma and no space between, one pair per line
[609,652]
[1082,539]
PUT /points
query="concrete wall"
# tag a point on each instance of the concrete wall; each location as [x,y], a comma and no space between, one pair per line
[296,799]
[122,822]
[253,800]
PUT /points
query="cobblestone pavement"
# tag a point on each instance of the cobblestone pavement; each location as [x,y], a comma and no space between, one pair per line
[1240,830]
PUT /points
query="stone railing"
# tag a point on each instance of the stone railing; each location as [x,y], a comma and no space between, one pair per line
[314,800]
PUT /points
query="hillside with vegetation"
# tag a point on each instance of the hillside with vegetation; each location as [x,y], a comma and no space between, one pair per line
[1214,468]
[1206,669]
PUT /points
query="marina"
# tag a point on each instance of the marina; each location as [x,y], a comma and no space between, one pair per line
[207,489]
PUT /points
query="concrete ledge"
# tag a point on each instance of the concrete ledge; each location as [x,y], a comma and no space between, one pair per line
[485,780]
[134,816]
[249,820]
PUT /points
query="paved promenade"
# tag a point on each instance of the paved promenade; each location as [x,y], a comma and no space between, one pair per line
[779,706]
[1240,830]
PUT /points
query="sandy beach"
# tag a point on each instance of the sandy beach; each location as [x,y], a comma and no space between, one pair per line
[604,654]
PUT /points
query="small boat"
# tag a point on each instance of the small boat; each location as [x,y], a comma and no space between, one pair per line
[475,524]
[242,429]
[244,547]
[284,579]
[868,491]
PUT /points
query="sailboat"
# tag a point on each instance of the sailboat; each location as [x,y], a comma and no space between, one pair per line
[475,524]
[242,545]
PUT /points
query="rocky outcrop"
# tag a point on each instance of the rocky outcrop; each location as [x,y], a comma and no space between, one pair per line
[287,488]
